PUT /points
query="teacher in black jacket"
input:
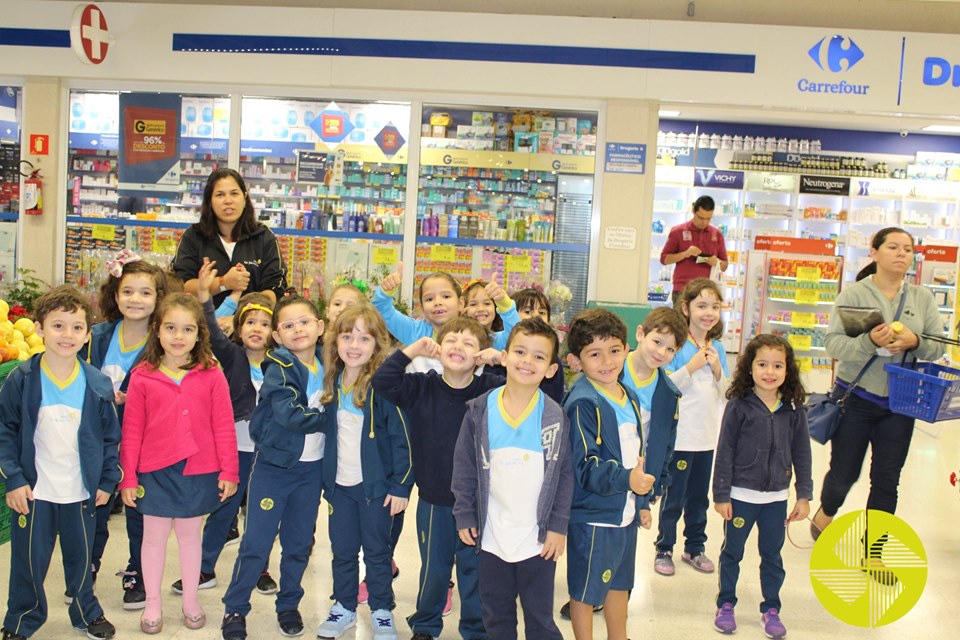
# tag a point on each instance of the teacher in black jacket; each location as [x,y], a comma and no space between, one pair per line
[244,250]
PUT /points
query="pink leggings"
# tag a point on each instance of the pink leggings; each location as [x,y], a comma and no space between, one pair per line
[156,530]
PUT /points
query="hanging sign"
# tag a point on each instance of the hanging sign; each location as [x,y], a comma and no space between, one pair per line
[149,163]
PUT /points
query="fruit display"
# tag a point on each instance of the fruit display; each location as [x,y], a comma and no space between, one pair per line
[18,340]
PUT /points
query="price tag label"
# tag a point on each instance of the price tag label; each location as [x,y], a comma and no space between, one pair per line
[164,245]
[802,320]
[518,264]
[807,296]
[103,231]
[800,343]
[443,253]
[805,364]
[385,255]
[808,274]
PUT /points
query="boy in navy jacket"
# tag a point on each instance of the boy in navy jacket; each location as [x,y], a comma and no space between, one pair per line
[512,483]
[612,485]
[436,405]
[59,438]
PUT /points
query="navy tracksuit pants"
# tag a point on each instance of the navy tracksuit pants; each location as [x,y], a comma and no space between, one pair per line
[32,538]
[356,522]
[284,500]
[770,519]
[439,544]
[502,582]
[218,523]
[688,494]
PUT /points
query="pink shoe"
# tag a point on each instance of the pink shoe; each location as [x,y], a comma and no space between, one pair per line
[449,606]
[196,621]
[362,595]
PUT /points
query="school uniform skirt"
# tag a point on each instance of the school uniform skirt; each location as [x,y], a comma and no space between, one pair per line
[168,493]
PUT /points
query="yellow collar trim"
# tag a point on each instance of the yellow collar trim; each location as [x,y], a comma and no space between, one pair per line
[515,424]
[66,382]
[633,374]
[620,402]
[176,375]
[123,347]
[315,367]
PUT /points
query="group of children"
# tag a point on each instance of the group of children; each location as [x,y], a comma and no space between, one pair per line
[291,407]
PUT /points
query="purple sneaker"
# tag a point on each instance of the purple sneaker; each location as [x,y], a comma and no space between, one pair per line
[772,626]
[725,622]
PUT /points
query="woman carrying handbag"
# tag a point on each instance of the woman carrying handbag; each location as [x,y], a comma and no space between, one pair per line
[867,419]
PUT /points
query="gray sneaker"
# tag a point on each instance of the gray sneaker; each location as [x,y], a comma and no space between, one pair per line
[382,622]
[663,563]
[337,622]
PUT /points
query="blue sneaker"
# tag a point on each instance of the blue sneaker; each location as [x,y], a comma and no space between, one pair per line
[772,627]
[337,622]
[725,622]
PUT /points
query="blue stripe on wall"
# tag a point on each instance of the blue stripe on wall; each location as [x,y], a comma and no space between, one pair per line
[34,37]
[478,51]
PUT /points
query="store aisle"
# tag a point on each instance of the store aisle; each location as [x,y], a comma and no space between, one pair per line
[679,607]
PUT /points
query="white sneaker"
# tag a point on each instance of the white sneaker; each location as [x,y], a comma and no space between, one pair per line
[338,621]
[382,622]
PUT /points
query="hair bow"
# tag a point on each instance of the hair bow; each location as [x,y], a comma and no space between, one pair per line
[360,284]
[122,259]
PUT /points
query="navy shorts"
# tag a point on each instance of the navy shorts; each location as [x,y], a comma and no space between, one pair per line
[601,559]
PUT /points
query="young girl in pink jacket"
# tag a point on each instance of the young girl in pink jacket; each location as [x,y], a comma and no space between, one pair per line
[179,449]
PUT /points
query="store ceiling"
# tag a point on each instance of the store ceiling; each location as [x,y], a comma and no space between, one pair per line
[918,16]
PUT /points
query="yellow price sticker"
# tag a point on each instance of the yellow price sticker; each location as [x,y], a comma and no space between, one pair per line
[518,264]
[807,296]
[802,320]
[805,364]
[164,245]
[384,255]
[443,253]
[808,274]
[800,343]
[103,231]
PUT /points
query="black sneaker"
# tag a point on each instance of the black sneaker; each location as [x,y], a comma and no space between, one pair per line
[67,598]
[117,507]
[233,627]
[207,581]
[134,597]
[291,623]
[10,635]
[565,610]
[266,584]
[422,636]
[101,629]
[233,536]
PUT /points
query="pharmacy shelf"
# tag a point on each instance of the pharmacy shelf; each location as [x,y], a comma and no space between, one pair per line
[787,324]
[505,244]
[9,217]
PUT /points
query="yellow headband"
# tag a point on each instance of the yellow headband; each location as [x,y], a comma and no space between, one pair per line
[253,306]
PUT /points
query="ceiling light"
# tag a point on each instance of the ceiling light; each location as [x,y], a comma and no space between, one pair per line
[668,114]
[942,128]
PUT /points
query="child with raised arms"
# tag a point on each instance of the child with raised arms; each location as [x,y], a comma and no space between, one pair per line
[436,404]
[179,449]
[763,442]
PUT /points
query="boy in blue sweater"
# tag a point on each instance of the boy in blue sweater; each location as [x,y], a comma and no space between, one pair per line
[512,482]
[59,440]
[435,405]
[612,484]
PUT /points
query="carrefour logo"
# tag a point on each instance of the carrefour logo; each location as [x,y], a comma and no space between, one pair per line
[835,55]
[835,52]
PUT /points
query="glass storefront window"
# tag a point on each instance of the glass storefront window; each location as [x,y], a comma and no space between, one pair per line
[10,116]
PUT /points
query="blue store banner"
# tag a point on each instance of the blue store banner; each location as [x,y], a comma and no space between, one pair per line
[718,179]
[625,157]
[149,165]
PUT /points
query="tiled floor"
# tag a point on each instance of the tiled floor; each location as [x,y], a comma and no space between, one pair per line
[678,607]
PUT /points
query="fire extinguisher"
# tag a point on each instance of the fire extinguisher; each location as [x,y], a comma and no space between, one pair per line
[33,194]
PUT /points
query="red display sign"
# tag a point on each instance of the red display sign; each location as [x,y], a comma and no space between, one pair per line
[933,253]
[89,35]
[332,126]
[39,144]
[795,245]
[149,134]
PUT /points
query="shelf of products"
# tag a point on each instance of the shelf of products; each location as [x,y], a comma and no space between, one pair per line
[783,298]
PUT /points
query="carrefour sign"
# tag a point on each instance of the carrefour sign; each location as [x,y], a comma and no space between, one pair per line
[835,55]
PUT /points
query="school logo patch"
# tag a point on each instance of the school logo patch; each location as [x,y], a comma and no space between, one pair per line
[682,465]
[329,509]
[738,523]
[141,491]
[22,521]
[266,504]
[607,576]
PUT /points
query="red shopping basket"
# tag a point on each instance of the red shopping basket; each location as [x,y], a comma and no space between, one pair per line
[925,390]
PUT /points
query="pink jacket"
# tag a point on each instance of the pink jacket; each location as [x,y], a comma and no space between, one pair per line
[164,423]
